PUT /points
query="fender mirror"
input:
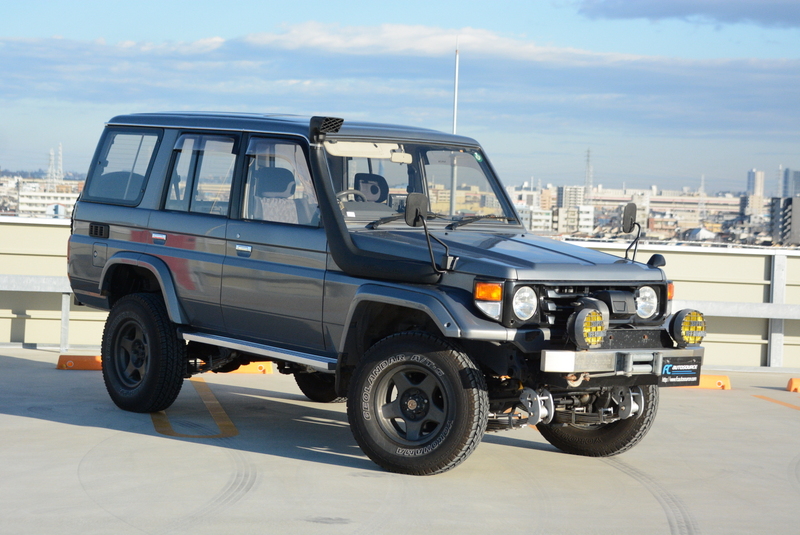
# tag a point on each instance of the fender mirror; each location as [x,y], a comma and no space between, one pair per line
[416,209]
[628,218]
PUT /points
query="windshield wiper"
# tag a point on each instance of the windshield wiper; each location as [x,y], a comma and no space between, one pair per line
[472,219]
[396,217]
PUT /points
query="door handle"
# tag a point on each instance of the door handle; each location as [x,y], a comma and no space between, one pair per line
[243,250]
[159,238]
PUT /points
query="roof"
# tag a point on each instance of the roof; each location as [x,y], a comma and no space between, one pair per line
[284,124]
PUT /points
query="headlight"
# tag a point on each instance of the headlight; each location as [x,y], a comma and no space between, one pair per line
[646,302]
[688,328]
[524,303]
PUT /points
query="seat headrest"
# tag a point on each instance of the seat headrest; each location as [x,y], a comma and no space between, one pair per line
[374,187]
[273,182]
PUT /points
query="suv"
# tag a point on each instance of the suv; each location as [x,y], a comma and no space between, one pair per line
[377,263]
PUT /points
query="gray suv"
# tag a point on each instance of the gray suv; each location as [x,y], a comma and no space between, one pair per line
[380,264]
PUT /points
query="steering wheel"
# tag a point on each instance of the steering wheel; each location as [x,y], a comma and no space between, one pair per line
[354,192]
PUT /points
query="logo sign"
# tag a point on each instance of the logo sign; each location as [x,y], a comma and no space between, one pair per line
[680,371]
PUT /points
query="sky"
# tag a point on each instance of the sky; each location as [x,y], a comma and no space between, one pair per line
[662,92]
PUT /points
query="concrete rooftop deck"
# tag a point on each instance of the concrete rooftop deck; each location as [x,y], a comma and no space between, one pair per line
[72,463]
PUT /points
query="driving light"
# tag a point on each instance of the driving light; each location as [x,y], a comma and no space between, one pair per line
[489,298]
[524,303]
[646,302]
[688,328]
[588,328]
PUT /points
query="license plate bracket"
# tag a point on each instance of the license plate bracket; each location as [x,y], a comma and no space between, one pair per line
[680,371]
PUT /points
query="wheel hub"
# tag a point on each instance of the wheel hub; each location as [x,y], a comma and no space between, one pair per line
[414,404]
[138,353]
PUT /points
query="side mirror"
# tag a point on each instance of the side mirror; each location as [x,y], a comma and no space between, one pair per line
[657,260]
[628,218]
[416,209]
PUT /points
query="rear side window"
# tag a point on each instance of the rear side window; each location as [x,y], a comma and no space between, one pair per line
[202,172]
[121,171]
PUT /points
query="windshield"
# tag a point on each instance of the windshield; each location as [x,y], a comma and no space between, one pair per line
[373,180]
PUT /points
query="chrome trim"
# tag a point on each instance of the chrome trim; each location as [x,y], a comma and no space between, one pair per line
[318,362]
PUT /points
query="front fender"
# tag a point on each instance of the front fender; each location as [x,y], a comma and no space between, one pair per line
[450,312]
[160,271]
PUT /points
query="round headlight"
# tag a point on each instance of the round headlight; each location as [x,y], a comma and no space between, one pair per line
[524,303]
[646,302]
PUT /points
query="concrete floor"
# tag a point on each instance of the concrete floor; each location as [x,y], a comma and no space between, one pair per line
[71,462]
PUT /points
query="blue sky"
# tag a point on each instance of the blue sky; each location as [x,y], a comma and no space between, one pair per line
[661,91]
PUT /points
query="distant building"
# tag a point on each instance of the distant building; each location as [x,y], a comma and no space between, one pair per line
[751,205]
[755,183]
[574,219]
[785,220]
[791,183]
[570,196]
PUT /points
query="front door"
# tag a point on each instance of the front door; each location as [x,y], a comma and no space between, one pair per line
[274,271]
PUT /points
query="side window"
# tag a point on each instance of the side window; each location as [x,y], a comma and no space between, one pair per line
[279,186]
[202,172]
[121,171]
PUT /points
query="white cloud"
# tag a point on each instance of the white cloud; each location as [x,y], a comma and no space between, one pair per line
[511,88]
[395,39]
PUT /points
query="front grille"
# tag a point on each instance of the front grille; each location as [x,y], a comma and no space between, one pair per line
[558,303]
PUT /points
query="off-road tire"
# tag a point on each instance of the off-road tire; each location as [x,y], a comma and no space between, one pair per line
[144,361]
[604,440]
[319,387]
[417,404]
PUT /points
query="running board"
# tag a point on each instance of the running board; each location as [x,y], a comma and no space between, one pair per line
[318,362]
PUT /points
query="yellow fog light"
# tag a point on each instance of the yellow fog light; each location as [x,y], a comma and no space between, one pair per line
[588,328]
[688,328]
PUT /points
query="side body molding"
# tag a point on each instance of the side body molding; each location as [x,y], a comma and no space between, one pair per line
[159,270]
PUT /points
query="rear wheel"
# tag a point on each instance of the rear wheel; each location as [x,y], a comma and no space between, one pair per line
[417,404]
[604,440]
[144,361]
[319,387]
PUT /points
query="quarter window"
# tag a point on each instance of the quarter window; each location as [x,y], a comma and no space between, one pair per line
[121,171]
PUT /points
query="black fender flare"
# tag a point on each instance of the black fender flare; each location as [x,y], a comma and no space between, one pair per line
[160,271]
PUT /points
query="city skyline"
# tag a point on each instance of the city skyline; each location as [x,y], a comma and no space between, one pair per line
[661,94]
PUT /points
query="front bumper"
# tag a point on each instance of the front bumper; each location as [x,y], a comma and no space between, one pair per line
[674,367]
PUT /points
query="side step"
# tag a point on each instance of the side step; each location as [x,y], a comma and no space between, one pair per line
[318,362]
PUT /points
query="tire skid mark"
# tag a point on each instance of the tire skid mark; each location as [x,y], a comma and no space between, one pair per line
[794,473]
[679,518]
[241,481]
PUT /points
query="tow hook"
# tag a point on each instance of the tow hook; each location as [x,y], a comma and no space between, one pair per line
[539,405]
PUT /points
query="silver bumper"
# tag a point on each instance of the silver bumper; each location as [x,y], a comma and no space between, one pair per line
[613,361]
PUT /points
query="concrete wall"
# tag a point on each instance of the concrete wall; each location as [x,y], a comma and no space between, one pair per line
[732,275]
[39,247]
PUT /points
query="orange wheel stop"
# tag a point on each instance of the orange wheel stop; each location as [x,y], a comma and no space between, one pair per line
[794,385]
[255,367]
[79,362]
[715,382]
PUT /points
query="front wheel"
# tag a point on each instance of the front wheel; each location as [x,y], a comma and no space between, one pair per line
[604,440]
[417,405]
[144,361]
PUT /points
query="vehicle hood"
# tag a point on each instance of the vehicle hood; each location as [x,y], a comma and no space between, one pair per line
[512,256]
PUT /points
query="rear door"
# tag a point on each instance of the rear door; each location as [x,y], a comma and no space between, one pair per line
[274,271]
[189,232]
